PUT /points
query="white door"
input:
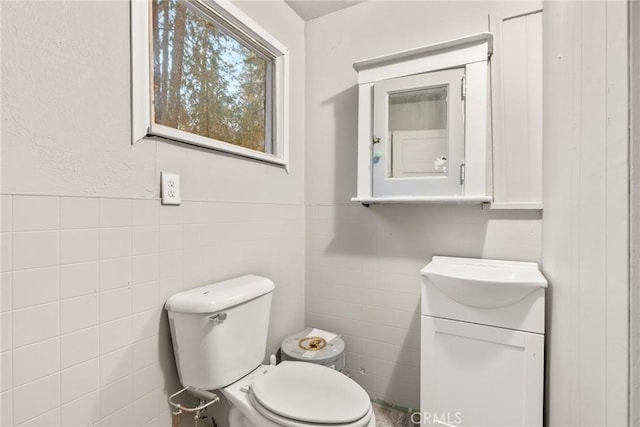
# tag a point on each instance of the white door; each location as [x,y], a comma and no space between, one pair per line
[477,375]
[419,135]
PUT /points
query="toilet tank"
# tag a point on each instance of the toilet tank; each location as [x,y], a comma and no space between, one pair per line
[219,331]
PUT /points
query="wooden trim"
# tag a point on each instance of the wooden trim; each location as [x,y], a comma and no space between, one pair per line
[201,141]
[429,50]
[423,199]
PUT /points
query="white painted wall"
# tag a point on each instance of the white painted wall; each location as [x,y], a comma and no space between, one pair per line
[586,201]
[88,253]
[66,110]
[363,264]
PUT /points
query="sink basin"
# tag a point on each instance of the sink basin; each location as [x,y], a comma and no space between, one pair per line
[484,283]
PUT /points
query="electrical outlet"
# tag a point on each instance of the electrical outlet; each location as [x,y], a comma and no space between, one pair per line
[170,186]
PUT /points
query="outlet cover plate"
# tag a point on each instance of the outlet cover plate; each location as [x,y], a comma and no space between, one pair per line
[170,188]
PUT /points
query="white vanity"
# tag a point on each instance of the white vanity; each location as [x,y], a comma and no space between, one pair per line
[482,343]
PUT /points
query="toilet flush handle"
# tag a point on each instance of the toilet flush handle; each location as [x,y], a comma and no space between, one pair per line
[218,317]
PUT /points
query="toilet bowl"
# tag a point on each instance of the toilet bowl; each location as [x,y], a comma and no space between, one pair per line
[219,335]
[298,394]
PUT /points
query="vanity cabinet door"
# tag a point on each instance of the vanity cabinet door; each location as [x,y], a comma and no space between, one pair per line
[476,375]
[418,136]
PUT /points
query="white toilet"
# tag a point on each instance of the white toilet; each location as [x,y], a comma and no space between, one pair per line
[219,334]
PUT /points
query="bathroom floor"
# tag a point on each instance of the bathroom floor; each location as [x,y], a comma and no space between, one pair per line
[388,417]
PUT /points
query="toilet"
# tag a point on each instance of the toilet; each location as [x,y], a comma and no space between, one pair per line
[219,335]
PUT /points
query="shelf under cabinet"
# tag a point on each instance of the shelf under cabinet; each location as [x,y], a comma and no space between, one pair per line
[423,199]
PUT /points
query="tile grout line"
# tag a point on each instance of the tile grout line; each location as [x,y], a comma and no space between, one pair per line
[43,413]
[130,343]
[13,401]
[59,311]
[98,309]
[158,199]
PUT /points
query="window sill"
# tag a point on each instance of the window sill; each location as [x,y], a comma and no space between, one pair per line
[200,141]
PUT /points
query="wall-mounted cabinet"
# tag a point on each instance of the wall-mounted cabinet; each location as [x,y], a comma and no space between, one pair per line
[422,124]
[516,101]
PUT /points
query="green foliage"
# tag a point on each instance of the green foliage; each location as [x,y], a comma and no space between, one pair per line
[205,81]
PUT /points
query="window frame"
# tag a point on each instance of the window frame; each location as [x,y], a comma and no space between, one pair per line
[239,25]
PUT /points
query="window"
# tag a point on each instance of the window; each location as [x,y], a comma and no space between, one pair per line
[206,74]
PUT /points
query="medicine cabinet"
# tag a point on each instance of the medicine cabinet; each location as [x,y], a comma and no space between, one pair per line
[422,124]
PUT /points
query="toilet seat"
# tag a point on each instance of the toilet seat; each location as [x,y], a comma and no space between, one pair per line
[288,422]
[300,394]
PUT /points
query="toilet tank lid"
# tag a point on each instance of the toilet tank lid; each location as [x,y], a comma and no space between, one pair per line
[220,295]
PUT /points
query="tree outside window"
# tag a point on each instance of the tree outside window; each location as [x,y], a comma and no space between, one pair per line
[208,81]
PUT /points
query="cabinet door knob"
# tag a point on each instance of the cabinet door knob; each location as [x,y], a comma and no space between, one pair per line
[377,155]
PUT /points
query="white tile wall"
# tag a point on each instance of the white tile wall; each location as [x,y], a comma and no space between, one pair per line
[5,292]
[115,242]
[35,213]
[5,251]
[363,278]
[116,396]
[34,324]
[78,246]
[77,212]
[79,380]
[35,286]
[114,335]
[115,273]
[36,398]
[78,347]
[78,279]
[6,370]
[78,313]
[84,335]
[122,417]
[35,361]
[115,212]
[7,408]
[6,335]
[84,411]
[145,352]
[115,304]
[146,408]
[6,207]
[33,249]
[115,365]
[48,419]
[145,240]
